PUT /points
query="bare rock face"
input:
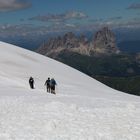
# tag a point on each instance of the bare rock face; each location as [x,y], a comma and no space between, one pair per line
[69,42]
[105,42]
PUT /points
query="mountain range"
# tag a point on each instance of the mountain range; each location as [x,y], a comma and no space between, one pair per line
[103,43]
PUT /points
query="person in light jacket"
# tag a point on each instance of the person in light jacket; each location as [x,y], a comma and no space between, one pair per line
[52,85]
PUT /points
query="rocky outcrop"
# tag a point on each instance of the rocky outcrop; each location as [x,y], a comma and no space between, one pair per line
[104,43]
[68,42]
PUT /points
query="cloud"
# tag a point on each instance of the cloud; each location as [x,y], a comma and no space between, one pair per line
[105,20]
[60,17]
[31,29]
[12,5]
[27,30]
[134,23]
[134,6]
[95,20]
[114,22]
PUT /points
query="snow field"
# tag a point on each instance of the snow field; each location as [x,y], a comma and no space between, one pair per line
[22,120]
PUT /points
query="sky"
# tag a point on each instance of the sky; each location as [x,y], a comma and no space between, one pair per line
[24,16]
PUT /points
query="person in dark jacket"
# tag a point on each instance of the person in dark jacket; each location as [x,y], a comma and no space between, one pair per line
[31,82]
[47,84]
[53,84]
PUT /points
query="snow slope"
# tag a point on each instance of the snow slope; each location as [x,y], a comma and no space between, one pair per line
[82,109]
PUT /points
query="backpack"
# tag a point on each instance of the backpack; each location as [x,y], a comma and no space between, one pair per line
[53,83]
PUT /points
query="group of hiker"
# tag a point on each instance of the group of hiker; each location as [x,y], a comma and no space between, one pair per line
[50,84]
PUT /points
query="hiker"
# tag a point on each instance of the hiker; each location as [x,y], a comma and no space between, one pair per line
[53,84]
[31,82]
[47,84]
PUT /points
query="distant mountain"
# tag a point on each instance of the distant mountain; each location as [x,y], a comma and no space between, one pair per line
[68,42]
[103,43]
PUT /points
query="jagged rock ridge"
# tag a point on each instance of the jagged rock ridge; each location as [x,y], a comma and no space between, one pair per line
[104,43]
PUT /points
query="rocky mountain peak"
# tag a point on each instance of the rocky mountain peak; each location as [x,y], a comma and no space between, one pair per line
[105,42]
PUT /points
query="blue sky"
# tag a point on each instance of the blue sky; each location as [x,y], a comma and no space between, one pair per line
[55,15]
